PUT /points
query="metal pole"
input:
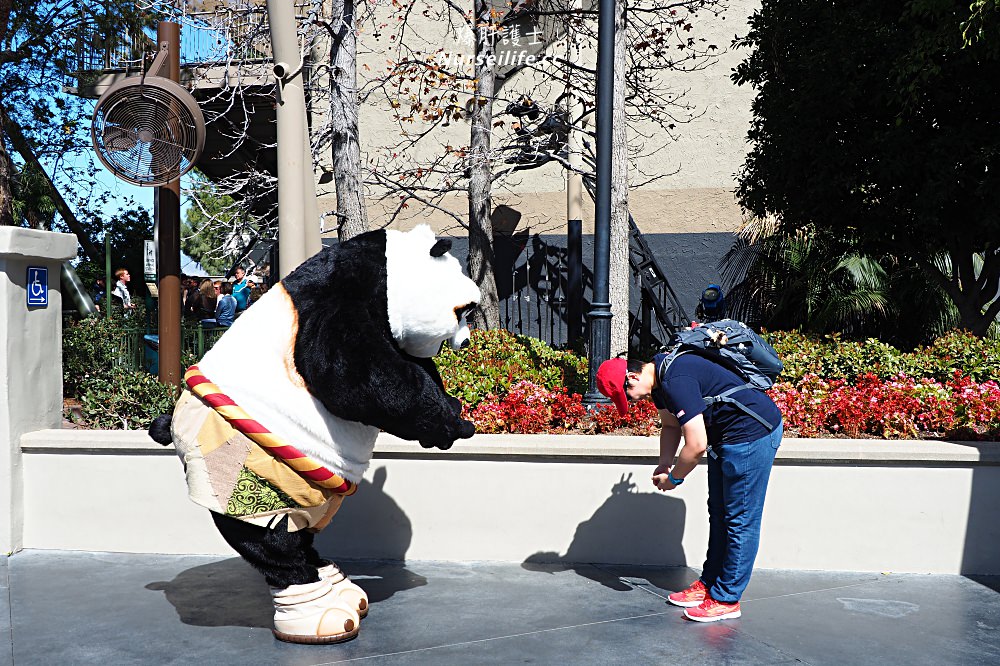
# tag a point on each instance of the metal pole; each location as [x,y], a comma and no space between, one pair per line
[107,275]
[291,114]
[313,243]
[168,235]
[600,314]
[574,280]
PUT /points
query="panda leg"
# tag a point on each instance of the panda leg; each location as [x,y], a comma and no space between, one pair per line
[307,608]
[282,556]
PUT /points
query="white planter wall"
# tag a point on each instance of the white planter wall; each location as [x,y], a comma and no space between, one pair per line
[861,505]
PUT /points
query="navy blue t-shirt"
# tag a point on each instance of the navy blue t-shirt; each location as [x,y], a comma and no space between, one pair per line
[691,378]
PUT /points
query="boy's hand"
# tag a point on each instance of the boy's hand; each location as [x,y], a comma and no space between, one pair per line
[661,479]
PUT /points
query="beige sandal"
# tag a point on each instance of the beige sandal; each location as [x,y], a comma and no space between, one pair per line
[313,613]
[348,592]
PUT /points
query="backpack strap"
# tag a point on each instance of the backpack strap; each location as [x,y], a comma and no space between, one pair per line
[722,397]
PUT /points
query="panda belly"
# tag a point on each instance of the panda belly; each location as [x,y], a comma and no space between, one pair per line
[253,363]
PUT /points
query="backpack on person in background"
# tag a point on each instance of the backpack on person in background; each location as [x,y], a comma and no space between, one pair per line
[736,347]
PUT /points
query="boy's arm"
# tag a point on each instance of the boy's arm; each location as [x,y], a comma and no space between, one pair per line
[670,438]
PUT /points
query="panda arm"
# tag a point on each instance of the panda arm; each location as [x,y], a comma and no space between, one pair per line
[388,390]
[431,368]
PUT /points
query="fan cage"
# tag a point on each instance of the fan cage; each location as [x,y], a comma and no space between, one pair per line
[148,131]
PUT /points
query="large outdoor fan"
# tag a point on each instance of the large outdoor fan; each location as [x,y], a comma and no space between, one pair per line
[147,129]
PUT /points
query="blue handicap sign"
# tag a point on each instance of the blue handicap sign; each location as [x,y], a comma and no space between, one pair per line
[38,287]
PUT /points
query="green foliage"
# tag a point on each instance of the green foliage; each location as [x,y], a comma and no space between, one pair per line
[123,399]
[832,357]
[787,279]
[93,345]
[101,356]
[874,122]
[495,360]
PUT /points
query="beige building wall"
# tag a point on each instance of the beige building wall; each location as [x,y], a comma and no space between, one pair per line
[694,194]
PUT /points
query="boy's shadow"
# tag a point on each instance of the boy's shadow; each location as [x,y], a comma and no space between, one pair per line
[630,528]
[231,593]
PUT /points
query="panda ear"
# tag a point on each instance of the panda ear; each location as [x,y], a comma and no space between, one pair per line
[440,247]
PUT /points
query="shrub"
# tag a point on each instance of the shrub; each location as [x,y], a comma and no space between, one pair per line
[93,345]
[123,399]
[900,407]
[832,358]
[496,360]
[528,408]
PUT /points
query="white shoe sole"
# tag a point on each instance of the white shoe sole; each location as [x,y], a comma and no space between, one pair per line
[716,618]
[683,604]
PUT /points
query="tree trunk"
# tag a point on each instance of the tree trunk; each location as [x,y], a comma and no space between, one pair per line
[481,257]
[974,293]
[352,216]
[618,267]
[6,182]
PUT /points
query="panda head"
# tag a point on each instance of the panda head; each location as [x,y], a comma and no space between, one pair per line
[428,296]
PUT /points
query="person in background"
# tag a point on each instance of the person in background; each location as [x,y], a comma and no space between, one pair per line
[190,296]
[98,293]
[712,304]
[121,292]
[241,290]
[225,311]
[202,304]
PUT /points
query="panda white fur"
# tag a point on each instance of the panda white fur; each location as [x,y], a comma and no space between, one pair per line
[424,303]
[337,351]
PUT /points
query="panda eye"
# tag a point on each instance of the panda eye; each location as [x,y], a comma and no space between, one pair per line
[463,310]
[440,247]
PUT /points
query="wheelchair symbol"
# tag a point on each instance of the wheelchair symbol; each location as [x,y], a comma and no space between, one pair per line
[38,286]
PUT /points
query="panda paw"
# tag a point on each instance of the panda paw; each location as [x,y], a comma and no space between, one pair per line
[465,430]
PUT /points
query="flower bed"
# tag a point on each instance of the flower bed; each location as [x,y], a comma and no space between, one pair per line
[948,389]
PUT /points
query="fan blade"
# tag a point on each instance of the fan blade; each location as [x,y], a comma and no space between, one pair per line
[116,139]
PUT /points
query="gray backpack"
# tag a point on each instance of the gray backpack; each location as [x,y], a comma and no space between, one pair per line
[744,353]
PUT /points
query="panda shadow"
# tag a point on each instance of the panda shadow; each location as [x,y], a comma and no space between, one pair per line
[630,531]
[227,593]
[368,538]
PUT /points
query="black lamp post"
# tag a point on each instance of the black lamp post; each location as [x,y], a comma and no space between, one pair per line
[599,317]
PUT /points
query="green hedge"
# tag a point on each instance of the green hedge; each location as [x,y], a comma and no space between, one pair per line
[496,360]
[833,358]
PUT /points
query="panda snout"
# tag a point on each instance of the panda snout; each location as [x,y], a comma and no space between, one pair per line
[465,343]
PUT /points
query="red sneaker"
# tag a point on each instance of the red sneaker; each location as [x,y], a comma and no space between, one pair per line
[711,610]
[694,595]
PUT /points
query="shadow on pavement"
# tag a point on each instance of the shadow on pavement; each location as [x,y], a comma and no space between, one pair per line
[630,528]
[231,593]
[228,593]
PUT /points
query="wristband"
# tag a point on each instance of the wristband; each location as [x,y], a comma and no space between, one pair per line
[671,479]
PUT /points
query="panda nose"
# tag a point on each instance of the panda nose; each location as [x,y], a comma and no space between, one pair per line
[465,343]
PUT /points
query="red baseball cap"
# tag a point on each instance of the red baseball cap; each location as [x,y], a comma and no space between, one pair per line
[611,382]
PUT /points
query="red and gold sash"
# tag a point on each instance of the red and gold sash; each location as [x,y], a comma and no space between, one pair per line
[303,465]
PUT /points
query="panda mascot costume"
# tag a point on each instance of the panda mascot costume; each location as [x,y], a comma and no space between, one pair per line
[277,423]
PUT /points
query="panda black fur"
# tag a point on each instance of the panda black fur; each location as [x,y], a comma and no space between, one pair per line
[337,351]
[348,357]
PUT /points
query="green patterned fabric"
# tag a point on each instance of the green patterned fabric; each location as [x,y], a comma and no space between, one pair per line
[253,494]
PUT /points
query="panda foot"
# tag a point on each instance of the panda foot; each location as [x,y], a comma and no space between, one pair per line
[314,614]
[347,590]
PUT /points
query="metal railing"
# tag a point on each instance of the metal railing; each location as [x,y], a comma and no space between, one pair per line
[226,35]
[195,342]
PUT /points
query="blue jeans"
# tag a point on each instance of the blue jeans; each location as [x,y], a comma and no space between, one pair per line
[737,482]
